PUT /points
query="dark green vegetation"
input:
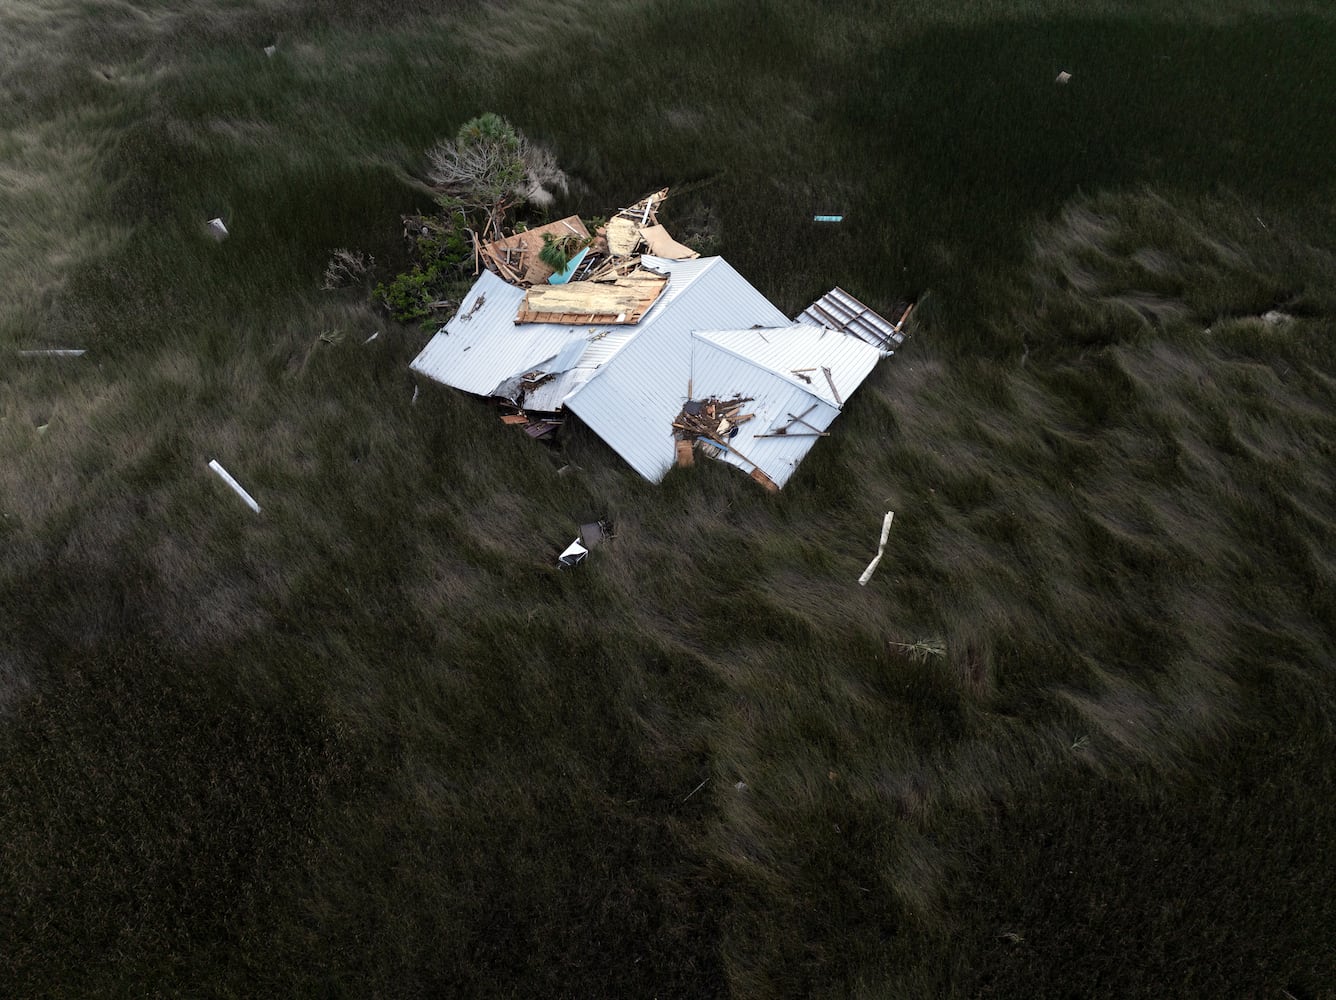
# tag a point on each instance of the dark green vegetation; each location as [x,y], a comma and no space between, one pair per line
[372,743]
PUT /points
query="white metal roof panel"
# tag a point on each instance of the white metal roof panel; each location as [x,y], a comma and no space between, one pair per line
[632,400]
[775,401]
[482,346]
[601,348]
[799,353]
[839,310]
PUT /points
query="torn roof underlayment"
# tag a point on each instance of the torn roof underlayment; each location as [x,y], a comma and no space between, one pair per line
[706,334]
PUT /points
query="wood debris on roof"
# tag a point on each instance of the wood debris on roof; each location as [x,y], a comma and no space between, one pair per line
[609,285]
[622,301]
[516,259]
[712,423]
[623,236]
[660,244]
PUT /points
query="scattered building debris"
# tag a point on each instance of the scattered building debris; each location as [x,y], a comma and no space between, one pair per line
[217,229]
[624,300]
[52,353]
[572,555]
[594,532]
[635,323]
[516,259]
[881,547]
[660,244]
[1063,77]
[236,486]
[591,534]
[922,650]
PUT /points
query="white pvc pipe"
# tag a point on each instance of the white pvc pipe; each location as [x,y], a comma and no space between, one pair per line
[236,486]
[50,354]
[885,533]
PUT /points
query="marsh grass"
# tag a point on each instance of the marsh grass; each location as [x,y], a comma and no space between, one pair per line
[373,742]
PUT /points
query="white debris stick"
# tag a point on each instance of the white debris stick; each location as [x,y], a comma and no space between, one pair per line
[50,354]
[236,486]
[881,547]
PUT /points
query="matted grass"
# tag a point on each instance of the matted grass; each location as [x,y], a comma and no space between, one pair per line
[372,742]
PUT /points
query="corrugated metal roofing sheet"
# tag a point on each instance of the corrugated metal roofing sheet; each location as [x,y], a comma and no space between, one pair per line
[601,348]
[482,346]
[838,310]
[799,353]
[776,400]
[631,403]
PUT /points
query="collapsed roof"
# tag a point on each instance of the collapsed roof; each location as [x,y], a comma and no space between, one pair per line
[629,348]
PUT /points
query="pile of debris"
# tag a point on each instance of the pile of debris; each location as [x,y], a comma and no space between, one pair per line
[603,281]
[711,425]
[590,535]
[577,318]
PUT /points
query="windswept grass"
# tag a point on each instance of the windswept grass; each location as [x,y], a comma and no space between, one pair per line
[372,742]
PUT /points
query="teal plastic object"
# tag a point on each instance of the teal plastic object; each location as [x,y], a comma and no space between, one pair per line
[827,218]
[563,276]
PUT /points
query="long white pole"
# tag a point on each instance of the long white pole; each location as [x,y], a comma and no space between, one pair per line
[236,486]
[885,533]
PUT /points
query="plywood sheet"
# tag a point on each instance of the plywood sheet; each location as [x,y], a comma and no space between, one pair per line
[623,236]
[620,302]
[522,264]
[662,245]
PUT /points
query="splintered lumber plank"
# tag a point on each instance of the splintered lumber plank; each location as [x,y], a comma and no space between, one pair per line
[685,455]
[830,380]
[800,420]
[769,484]
[514,418]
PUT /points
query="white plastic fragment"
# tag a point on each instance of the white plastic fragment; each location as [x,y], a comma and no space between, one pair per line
[217,229]
[51,354]
[415,393]
[573,554]
[1063,77]
[269,50]
[881,547]
[236,486]
[372,337]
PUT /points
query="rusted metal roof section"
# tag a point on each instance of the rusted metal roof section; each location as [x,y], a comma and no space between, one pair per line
[838,310]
